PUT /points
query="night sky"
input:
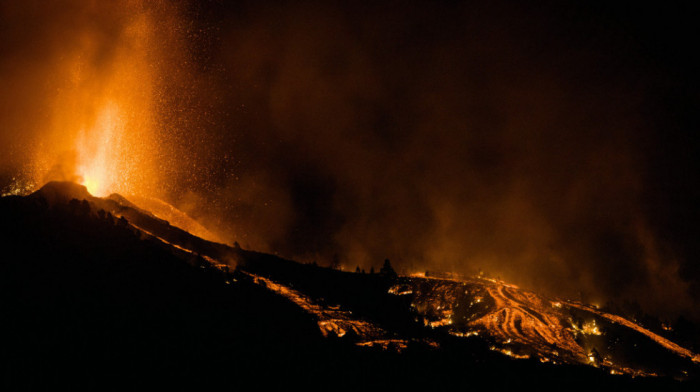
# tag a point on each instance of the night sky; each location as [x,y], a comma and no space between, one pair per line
[548,144]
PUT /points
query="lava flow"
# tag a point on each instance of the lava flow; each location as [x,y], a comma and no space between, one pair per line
[522,324]
[331,320]
[394,312]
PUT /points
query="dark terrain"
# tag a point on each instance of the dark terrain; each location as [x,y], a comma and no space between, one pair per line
[88,299]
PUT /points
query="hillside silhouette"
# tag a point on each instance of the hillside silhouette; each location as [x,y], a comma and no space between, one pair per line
[99,293]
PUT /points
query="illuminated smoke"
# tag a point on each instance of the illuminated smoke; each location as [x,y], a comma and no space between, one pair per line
[87,75]
[443,138]
[498,138]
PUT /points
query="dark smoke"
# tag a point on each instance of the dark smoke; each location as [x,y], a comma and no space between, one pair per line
[549,146]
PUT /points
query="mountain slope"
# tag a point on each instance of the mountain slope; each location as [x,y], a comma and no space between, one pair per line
[89,297]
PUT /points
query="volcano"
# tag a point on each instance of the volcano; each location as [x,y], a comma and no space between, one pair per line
[101,292]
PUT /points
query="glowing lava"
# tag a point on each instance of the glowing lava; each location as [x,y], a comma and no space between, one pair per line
[102,123]
[523,324]
[99,153]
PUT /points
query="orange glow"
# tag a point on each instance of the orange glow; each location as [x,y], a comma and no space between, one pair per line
[99,154]
[658,339]
[102,124]
[521,323]
[331,321]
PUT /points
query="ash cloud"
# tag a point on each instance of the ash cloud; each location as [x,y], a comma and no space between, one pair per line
[454,138]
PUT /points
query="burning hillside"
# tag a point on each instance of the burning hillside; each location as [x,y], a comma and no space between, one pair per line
[515,322]
[399,313]
[487,321]
[255,153]
[524,324]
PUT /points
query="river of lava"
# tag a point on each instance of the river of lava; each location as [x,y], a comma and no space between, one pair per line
[523,324]
[332,320]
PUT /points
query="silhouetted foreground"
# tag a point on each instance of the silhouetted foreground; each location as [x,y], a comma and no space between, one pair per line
[88,300]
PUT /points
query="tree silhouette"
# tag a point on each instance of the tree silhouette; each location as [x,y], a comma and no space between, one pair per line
[387,270]
[335,262]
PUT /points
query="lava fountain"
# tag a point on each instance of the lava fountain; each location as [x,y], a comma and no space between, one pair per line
[99,156]
[106,84]
[103,115]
